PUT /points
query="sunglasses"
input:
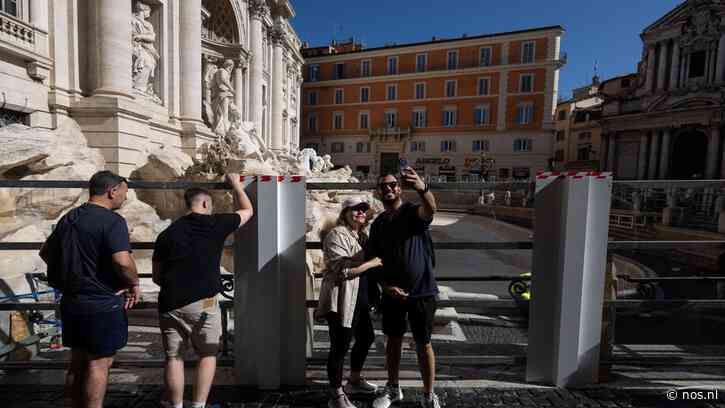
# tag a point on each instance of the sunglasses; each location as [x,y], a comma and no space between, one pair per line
[392,185]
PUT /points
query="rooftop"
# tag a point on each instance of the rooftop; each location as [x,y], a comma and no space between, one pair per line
[346,48]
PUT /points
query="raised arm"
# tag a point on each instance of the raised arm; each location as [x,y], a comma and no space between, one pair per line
[245,209]
[428,201]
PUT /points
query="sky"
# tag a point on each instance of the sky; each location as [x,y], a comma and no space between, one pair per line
[606,31]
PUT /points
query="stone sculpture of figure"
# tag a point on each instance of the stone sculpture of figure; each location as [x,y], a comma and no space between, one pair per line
[226,114]
[328,163]
[318,164]
[307,156]
[507,198]
[144,54]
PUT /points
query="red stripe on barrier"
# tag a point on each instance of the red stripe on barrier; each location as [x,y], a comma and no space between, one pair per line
[266,178]
[296,179]
[241,178]
[280,179]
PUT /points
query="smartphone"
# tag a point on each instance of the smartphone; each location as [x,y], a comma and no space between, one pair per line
[403,164]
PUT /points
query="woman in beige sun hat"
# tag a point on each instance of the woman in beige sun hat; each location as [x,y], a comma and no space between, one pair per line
[344,300]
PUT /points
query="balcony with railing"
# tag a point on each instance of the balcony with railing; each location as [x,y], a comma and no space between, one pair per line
[390,134]
[22,38]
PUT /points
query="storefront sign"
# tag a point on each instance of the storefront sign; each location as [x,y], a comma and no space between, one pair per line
[447,170]
[432,160]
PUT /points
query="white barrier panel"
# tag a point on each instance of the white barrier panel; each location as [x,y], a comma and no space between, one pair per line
[567,287]
[269,296]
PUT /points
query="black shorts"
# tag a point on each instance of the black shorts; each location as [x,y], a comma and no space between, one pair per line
[419,312]
[100,334]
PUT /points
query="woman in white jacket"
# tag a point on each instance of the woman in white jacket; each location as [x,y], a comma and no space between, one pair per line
[344,301]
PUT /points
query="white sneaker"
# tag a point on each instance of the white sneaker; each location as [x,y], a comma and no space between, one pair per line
[433,402]
[340,401]
[389,396]
[362,387]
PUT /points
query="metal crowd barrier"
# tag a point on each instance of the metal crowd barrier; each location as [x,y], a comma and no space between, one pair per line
[498,304]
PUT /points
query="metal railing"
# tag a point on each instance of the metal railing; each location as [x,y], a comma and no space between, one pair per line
[495,304]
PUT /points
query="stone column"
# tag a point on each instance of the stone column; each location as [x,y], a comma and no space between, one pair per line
[683,70]
[278,80]
[720,70]
[190,67]
[39,14]
[610,151]
[238,74]
[114,47]
[603,153]
[654,152]
[713,148]
[258,11]
[665,155]
[649,81]
[642,161]
[298,89]
[675,67]
[662,66]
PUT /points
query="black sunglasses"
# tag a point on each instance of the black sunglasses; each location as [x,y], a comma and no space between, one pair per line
[391,184]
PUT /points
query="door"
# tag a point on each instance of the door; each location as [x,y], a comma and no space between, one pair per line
[389,163]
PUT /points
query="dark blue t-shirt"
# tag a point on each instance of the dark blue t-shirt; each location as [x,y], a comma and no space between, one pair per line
[402,240]
[101,233]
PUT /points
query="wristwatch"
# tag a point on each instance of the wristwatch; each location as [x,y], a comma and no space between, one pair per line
[425,190]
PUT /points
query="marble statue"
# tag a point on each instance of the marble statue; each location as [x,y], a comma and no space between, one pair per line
[226,113]
[327,160]
[144,52]
[307,156]
[318,164]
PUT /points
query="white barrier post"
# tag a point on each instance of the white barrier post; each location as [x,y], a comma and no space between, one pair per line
[269,296]
[570,249]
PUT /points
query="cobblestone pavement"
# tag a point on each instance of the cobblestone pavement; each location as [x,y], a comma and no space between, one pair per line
[147,396]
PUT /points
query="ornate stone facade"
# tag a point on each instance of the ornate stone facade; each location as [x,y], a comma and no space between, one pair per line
[138,74]
[664,122]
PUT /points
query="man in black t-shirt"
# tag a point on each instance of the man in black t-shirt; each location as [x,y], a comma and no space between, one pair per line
[94,317]
[400,236]
[186,265]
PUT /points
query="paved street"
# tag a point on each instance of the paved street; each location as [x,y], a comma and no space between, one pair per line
[450,227]
[147,396]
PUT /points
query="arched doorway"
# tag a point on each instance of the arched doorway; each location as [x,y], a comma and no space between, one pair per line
[689,155]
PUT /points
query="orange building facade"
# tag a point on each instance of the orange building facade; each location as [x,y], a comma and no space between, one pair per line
[442,106]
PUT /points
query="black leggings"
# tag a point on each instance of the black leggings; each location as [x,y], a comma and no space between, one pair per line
[340,338]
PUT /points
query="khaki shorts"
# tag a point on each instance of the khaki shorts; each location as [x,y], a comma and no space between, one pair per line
[198,322]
